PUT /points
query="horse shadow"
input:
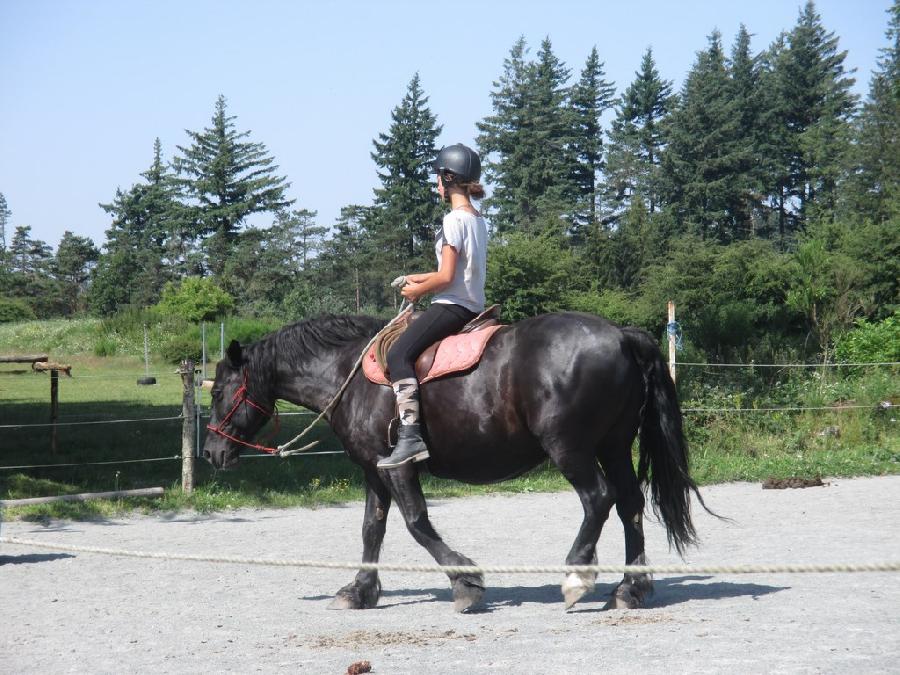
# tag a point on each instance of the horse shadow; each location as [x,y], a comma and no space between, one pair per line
[30,558]
[668,592]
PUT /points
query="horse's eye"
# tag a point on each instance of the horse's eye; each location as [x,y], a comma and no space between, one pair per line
[216,394]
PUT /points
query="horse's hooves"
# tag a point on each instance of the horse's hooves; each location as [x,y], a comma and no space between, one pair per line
[342,602]
[576,586]
[467,597]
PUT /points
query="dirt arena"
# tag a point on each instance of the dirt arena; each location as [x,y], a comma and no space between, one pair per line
[84,612]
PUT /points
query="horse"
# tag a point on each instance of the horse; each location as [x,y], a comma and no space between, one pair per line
[570,387]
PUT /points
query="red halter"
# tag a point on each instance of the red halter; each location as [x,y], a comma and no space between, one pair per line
[240,396]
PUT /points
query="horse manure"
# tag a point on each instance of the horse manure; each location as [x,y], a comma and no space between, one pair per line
[784,483]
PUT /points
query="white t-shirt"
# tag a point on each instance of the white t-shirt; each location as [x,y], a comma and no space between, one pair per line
[467,233]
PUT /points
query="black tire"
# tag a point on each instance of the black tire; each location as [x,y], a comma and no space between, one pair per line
[146,380]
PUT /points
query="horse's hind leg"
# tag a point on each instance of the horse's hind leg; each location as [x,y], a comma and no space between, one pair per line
[634,588]
[583,472]
[468,589]
[364,591]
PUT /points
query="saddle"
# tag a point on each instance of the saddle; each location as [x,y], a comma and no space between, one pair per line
[453,354]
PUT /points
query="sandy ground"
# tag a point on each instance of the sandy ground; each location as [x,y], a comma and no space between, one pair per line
[91,613]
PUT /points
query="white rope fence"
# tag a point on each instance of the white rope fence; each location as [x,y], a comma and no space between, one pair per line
[472,569]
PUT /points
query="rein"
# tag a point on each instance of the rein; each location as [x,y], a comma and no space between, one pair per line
[240,397]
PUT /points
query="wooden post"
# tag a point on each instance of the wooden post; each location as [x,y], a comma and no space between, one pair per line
[187,429]
[671,334]
[54,407]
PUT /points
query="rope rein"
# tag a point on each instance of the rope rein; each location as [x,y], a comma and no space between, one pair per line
[473,569]
[283,450]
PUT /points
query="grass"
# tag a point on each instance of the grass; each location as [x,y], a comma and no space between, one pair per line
[725,446]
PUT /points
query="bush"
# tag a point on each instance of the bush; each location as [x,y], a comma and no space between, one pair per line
[15,309]
[195,299]
[870,342]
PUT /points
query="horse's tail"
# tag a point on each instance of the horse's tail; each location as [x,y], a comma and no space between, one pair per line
[663,447]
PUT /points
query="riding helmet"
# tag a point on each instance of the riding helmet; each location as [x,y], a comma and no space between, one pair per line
[460,161]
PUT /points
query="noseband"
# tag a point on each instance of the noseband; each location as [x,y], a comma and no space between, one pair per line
[240,397]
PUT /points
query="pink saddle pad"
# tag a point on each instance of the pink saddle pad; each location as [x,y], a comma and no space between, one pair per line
[454,354]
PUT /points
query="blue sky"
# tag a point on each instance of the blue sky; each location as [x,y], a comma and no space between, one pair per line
[87,86]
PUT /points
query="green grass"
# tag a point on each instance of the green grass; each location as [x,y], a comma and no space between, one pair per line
[725,446]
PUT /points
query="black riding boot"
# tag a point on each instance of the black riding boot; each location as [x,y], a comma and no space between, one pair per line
[410,448]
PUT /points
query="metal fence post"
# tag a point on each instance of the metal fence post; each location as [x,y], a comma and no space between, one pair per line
[189,414]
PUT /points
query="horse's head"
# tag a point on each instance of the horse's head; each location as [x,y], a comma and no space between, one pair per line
[238,410]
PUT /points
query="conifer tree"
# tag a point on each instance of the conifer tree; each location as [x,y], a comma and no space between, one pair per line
[745,90]
[528,144]
[873,190]
[75,256]
[705,165]
[5,215]
[406,211]
[225,178]
[636,140]
[591,96]
[817,103]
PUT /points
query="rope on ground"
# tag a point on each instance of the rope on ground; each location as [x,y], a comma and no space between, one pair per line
[472,569]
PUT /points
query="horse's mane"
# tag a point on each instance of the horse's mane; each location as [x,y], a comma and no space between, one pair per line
[298,341]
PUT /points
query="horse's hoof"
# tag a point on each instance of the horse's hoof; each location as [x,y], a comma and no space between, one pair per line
[356,597]
[629,595]
[467,597]
[576,586]
[342,602]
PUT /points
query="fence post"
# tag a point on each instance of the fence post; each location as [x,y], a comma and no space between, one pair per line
[54,407]
[189,422]
[671,334]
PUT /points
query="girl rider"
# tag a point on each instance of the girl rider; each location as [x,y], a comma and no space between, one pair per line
[458,287]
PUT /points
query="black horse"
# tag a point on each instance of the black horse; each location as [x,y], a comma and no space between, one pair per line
[574,388]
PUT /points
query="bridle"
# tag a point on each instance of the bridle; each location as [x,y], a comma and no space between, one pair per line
[240,397]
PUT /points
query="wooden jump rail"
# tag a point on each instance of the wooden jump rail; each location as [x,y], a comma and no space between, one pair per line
[42,363]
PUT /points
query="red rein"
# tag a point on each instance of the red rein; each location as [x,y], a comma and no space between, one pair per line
[240,396]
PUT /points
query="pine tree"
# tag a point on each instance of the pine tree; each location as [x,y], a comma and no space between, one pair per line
[74,258]
[705,165]
[406,211]
[636,140]
[745,90]
[528,144]
[815,94]
[5,215]
[226,178]
[873,190]
[591,96]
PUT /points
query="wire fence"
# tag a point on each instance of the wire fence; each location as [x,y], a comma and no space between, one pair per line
[838,407]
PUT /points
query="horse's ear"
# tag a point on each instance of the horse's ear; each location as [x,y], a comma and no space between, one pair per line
[234,353]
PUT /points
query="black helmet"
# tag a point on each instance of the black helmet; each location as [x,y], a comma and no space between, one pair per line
[460,160]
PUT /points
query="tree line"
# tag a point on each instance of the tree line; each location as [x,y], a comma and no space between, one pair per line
[762,196]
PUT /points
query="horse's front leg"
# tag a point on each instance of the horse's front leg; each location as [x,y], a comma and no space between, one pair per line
[364,591]
[468,589]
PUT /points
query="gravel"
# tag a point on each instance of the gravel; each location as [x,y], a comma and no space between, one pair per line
[100,614]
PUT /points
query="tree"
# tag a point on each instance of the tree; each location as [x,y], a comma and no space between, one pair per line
[873,190]
[528,144]
[591,96]
[705,167]
[30,274]
[636,140]
[224,179]
[815,102]
[74,258]
[195,299]
[5,215]
[406,209]
[342,266]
